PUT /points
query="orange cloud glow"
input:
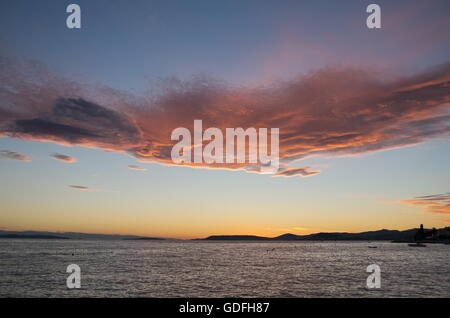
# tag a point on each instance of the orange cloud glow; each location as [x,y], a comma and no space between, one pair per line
[334,111]
[12,155]
[438,203]
[63,158]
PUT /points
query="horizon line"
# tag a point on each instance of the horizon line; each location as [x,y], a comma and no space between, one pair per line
[211,235]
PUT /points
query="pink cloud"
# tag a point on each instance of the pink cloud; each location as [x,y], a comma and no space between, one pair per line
[63,158]
[301,172]
[335,111]
[437,203]
[12,155]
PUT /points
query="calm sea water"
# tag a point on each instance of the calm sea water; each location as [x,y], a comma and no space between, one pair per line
[37,268]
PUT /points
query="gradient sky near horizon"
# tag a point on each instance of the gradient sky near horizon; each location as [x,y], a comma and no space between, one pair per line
[126,51]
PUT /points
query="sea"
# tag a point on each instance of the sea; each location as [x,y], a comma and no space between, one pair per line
[127,268]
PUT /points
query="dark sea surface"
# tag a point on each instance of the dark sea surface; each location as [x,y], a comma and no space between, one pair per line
[117,268]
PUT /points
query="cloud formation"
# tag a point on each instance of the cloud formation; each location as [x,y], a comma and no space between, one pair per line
[134,167]
[302,172]
[436,203]
[63,158]
[12,155]
[77,187]
[336,111]
[82,188]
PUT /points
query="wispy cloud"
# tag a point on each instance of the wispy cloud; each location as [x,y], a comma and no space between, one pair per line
[445,220]
[12,155]
[64,158]
[134,167]
[337,111]
[84,188]
[302,172]
[436,203]
[81,188]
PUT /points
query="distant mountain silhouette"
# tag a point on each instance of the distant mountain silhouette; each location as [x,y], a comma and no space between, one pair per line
[70,235]
[236,238]
[381,235]
[287,237]
[33,236]
[145,239]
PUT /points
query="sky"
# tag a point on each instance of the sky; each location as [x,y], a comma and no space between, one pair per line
[86,116]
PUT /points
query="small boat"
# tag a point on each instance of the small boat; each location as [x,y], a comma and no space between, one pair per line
[417,245]
[372,246]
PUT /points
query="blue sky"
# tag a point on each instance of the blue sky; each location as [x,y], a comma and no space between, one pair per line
[131,46]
